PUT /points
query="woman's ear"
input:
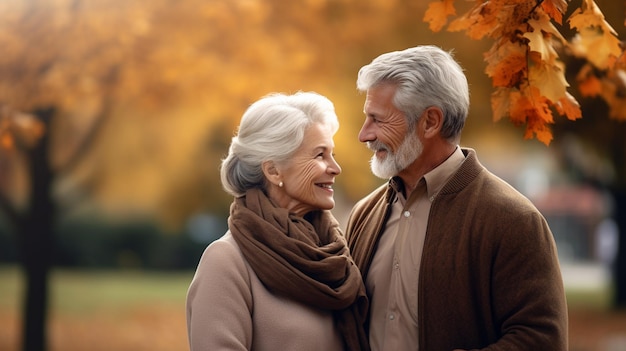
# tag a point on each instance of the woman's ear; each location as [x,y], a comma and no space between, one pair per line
[271,172]
[432,119]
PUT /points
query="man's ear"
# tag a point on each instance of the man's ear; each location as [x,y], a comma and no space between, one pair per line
[271,172]
[432,121]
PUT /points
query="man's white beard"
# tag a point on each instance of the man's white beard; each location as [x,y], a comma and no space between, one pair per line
[394,162]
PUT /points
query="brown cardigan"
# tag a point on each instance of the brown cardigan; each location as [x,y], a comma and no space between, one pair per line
[489,277]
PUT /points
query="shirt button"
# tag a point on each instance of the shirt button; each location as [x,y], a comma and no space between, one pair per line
[407,214]
[396,266]
[391,317]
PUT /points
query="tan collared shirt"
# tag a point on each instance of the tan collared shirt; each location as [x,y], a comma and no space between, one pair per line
[393,275]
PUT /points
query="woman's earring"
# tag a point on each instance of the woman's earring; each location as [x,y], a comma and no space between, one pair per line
[280,184]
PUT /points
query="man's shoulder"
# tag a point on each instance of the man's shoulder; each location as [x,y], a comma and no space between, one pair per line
[373,197]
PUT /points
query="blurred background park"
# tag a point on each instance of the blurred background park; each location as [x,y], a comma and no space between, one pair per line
[114,116]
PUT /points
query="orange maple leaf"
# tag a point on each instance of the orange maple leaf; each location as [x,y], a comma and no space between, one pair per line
[477,23]
[464,22]
[613,88]
[555,9]
[540,130]
[569,107]
[518,108]
[500,103]
[588,84]
[506,64]
[532,109]
[539,102]
[437,14]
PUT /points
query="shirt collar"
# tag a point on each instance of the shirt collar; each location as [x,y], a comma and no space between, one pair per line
[436,178]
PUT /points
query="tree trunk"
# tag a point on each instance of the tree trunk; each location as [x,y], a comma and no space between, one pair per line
[620,262]
[35,236]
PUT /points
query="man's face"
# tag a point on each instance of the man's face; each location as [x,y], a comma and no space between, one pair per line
[386,132]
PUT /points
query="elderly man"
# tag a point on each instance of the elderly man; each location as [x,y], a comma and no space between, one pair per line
[453,258]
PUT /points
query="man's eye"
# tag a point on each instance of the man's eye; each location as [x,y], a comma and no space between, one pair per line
[375,120]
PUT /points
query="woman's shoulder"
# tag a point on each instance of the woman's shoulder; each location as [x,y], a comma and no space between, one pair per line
[222,251]
[222,265]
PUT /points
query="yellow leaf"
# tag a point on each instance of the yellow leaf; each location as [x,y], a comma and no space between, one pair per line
[549,79]
[596,39]
[600,48]
[539,45]
[437,13]
[543,23]
[589,15]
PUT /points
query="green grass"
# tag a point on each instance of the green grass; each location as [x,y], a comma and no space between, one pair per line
[145,311]
[80,291]
[596,299]
[10,286]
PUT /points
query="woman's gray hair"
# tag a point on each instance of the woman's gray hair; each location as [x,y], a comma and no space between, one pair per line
[425,76]
[271,129]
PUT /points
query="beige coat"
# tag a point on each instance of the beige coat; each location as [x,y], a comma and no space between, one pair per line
[228,308]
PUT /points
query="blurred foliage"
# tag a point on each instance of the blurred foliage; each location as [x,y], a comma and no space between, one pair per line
[147,93]
[158,87]
[97,244]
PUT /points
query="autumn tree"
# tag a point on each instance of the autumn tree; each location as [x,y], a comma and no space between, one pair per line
[104,104]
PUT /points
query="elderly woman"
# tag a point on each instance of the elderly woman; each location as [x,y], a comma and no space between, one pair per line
[281,278]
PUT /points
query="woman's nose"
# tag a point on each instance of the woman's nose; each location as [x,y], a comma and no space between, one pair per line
[334,167]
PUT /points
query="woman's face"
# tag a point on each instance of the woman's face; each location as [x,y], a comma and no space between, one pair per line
[308,177]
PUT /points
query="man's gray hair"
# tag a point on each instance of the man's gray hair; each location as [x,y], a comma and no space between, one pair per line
[425,76]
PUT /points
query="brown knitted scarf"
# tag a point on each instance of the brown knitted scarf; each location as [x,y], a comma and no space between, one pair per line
[306,260]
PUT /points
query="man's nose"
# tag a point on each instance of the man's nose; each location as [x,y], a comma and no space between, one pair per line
[367,133]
